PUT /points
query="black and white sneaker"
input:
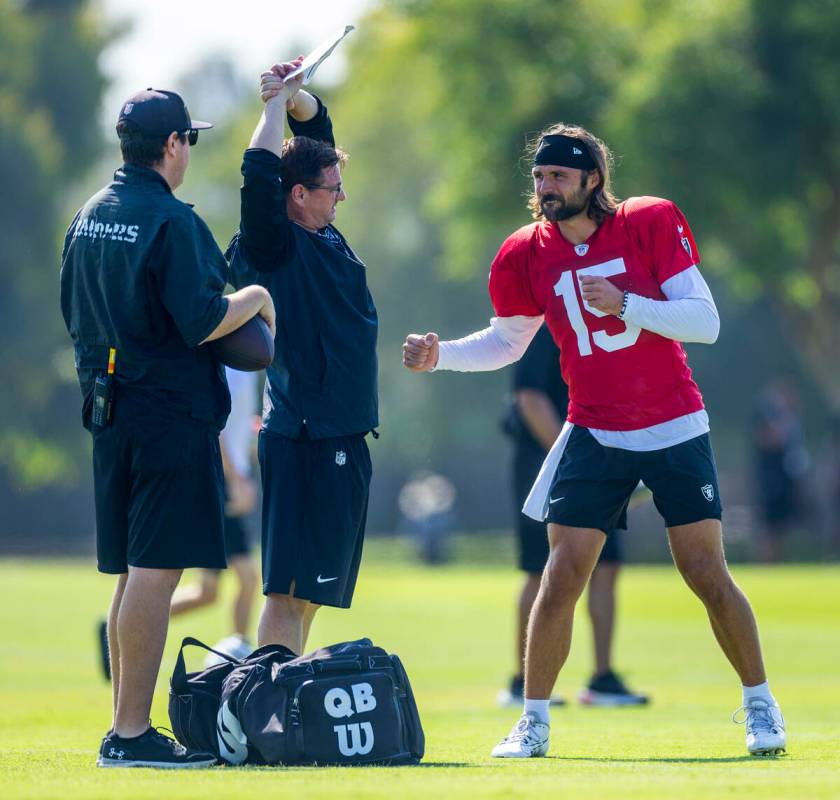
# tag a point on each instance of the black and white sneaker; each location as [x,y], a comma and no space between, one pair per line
[150,749]
[609,690]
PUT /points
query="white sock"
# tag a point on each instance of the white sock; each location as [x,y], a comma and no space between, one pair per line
[762,692]
[539,708]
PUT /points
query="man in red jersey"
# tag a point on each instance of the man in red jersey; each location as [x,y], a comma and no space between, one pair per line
[618,286]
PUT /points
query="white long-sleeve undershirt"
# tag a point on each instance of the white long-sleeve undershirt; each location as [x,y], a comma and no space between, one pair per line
[688,315]
[503,343]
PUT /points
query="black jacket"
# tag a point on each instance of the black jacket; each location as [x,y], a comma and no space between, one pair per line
[323,381]
[538,369]
[140,272]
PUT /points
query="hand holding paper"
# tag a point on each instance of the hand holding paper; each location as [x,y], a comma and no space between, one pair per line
[311,62]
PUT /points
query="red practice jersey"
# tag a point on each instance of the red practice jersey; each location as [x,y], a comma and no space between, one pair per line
[620,377]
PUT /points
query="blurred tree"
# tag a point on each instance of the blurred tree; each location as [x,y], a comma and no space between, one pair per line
[734,107]
[725,106]
[50,89]
[440,98]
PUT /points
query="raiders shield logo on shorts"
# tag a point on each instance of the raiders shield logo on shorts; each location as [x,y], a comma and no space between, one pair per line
[708,492]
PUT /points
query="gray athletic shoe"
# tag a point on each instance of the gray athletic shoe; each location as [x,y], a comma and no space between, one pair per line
[765,728]
[527,739]
[609,690]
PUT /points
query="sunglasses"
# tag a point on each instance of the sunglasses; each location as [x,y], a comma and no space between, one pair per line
[191,134]
[337,189]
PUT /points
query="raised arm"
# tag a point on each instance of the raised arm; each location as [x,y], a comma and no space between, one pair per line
[307,116]
[264,229]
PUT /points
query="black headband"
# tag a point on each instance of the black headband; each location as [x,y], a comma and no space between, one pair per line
[564,151]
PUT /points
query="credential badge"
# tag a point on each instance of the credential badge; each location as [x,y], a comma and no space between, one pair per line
[581,249]
[708,492]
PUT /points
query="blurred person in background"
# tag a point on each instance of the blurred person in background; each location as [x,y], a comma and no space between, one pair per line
[618,285]
[142,284]
[535,418]
[781,464]
[427,513]
[237,444]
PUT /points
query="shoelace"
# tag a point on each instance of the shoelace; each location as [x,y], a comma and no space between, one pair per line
[757,717]
[522,733]
[169,741]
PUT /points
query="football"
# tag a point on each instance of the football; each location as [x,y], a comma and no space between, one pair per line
[249,348]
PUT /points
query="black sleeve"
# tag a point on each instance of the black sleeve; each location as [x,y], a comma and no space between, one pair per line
[190,271]
[319,127]
[65,275]
[266,239]
[535,370]
[265,233]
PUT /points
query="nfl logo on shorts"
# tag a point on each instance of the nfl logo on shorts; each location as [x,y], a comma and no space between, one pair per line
[340,458]
[708,492]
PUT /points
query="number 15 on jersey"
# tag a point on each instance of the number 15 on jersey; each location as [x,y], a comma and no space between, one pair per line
[565,288]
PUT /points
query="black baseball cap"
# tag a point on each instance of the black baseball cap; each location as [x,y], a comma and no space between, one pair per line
[157,112]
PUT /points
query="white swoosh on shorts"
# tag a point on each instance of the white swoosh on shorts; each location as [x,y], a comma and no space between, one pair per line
[319,579]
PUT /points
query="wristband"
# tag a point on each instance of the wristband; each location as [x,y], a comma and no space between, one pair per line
[624,304]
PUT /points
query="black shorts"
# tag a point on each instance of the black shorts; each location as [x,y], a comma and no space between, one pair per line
[159,493]
[236,537]
[532,536]
[593,483]
[315,500]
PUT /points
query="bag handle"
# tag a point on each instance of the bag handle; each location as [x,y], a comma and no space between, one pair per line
[178,681]
[339,664]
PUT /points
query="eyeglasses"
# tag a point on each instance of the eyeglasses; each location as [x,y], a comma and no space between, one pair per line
[191,134]
[336,190]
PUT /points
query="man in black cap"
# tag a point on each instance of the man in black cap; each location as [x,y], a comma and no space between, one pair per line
[142,286]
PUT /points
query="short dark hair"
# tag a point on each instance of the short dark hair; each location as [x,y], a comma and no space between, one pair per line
[303,159]
[603,202]
[139,148]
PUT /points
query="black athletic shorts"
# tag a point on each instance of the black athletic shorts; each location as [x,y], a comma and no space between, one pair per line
[532,536]
[159,492]
[236,537]
[315,500]
[593,483]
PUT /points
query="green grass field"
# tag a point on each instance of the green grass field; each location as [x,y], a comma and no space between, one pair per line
[453,628]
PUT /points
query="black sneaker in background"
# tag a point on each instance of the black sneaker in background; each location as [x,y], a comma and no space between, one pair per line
[608,689]
[514,695]
[150,749]
[104,649]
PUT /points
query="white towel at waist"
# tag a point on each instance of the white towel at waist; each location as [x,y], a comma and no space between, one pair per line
[536,504]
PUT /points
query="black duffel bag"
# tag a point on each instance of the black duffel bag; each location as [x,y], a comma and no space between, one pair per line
[194,697]
[350,703]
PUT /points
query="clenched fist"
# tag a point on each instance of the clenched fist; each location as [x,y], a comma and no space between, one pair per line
[601,294]
[273,82]
[420,353]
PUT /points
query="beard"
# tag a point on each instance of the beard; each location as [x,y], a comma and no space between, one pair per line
[556,208]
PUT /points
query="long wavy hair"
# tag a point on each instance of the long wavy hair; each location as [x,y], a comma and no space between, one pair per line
[603,202]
